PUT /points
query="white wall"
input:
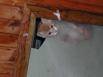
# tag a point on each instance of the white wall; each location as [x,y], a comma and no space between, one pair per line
[57,59]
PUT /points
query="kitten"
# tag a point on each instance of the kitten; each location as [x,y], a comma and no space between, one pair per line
[67,32]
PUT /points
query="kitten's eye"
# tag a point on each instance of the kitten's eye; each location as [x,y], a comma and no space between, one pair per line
[51,26]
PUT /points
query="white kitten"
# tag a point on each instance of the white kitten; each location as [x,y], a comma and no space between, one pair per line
[67,32]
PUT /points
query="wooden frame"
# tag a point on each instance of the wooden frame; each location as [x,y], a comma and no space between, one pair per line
[16,32]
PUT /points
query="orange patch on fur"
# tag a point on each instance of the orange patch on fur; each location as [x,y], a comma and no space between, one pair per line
[44,28]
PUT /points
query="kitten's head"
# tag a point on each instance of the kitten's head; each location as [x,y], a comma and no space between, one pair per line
[47,29]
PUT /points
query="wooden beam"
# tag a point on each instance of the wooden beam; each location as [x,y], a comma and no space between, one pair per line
[83,5]
[69,15]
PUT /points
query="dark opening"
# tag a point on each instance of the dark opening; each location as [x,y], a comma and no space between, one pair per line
[37,40]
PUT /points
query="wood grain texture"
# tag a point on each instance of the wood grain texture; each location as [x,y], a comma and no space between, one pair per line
[24,46]
[8,40]
[10,12]
[15,45]
[88,5]
[69,15]
[7,69]
[6,54]
[75,10]
[79,11]
[13,2]
[10,26]
[90,2]
[27,47]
